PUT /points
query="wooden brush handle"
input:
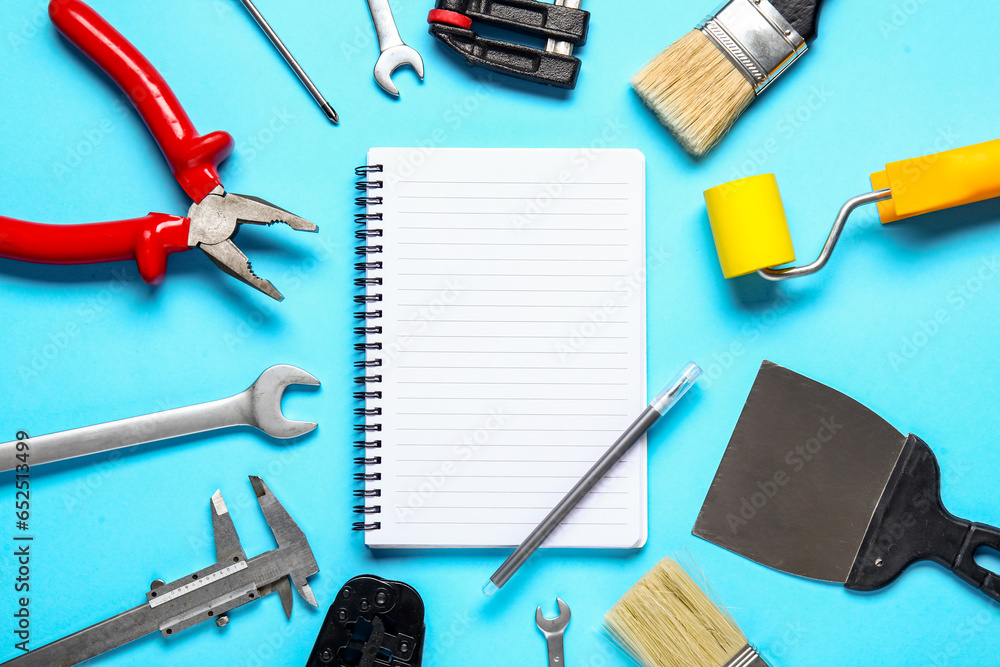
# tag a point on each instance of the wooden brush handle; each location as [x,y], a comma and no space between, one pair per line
[802,14]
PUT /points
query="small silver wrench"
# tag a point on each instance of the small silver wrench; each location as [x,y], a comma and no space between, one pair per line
[394,53]
[553,629]
[259,406]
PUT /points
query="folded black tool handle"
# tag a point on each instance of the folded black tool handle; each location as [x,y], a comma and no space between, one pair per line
[372,623]
[563,26]
[531,17]
[910,524]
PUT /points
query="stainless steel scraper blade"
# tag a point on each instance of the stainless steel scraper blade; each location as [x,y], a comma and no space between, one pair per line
[801,477]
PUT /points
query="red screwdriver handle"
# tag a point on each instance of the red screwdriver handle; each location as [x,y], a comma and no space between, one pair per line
[193,158]
[148,240]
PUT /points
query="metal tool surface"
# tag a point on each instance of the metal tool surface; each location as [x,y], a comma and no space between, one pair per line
[393,52]
[553,629]
[799,480]
[208,594]
[292,62]
[815,484]
[212,220]
[258,406]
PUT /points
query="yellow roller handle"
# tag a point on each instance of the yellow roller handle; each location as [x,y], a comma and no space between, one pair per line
[942,180]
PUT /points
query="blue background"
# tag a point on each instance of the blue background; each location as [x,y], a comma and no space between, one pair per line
[81,345]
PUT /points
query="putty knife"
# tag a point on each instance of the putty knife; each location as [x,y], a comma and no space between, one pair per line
[815,484]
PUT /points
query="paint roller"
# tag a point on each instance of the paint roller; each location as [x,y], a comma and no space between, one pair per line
[751,231]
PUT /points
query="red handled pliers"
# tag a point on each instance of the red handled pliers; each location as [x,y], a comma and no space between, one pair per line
[211,222]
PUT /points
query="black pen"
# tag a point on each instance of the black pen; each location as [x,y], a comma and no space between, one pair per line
[656,409]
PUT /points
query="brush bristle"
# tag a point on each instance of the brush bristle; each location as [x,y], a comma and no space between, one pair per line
[695,91]
[666,620]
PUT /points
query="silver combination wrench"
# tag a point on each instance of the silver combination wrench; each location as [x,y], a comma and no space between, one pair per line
[553,629]
[259,406]
[394,53]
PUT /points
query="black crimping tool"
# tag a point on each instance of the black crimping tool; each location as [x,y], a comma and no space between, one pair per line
[372,623]
[563,24]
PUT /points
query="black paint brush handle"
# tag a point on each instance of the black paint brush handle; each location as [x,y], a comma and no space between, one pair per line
[802,14]
[910,524]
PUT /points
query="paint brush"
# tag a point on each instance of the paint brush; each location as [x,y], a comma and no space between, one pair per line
[667,620]
[704,81]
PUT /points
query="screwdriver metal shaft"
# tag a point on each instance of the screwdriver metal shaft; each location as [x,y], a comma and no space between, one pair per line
[290,59]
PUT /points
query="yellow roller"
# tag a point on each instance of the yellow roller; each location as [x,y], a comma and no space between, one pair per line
[751,231]
[749,225]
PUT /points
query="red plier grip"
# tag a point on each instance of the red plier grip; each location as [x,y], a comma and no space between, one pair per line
[148,240]
[193,158]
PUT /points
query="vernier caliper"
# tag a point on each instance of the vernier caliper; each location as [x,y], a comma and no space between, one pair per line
[208,594]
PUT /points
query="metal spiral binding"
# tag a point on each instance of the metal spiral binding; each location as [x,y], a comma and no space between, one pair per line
[369,329]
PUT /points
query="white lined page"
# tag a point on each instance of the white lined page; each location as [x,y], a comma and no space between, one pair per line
[513,344]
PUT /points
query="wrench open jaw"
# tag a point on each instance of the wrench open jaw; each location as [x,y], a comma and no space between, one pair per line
[392,59]
[394,53]
[264,400]
[553,629]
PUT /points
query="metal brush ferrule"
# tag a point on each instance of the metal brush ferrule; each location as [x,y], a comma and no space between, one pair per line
[746,657]
[756,38]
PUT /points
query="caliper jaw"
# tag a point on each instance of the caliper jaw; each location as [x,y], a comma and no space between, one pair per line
[210,593]
[292,544]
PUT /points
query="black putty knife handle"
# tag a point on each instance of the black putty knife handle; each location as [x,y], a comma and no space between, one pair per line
[910,524]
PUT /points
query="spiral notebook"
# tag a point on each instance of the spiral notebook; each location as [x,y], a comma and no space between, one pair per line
[502,303]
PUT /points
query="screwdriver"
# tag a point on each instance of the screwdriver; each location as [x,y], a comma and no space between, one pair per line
[290,59]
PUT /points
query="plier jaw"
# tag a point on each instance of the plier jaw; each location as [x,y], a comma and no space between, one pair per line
[216,219]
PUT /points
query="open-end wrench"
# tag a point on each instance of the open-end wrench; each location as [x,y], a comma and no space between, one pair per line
[394,52]
[553,629]
[259,406]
